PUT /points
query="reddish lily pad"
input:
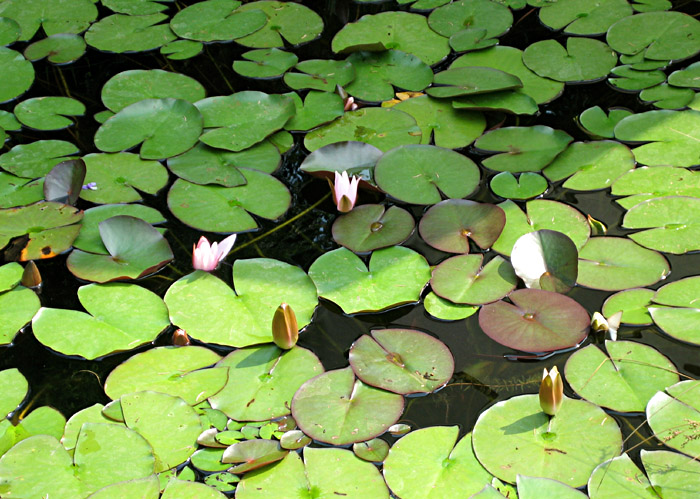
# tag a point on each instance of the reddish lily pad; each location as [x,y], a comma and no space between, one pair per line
[374,450]
[536,321]
[402,361]
[462,279]
[372,226]
[64,182]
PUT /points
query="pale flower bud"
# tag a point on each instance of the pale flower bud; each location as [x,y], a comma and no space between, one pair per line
[285,331]
[551,391]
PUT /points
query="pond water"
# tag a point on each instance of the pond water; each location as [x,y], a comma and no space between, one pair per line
[485,371]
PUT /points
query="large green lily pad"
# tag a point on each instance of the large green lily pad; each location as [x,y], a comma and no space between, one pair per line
[286,21]
[216,20]
[317,109]
[60,16]
[672,416]
[584,18]
[583,59]
[123,33]
[672,224]
[373,226]
[355,158]
[462,279]
[36,159]
[48,113]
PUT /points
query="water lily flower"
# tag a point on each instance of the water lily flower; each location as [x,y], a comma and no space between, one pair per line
[551,391]
[611,324]
[285,331]
[345,191]
[350,104]
[207,257]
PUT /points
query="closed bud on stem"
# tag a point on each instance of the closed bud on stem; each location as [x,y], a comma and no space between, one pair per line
[551,391]
[180,338]
[285,331]
[31,278]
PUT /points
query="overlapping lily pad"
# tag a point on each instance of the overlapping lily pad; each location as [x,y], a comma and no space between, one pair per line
[123,33]
[583,59]
[446,310]
[48,113]
[317,109]
[546,259]
[678,309]
[471,24]
[584,18]
[462,279]
[527,185]
[356,158]
[597,122]
[459,81]
[18,71]
[36,159]
[373,226]
[14,390]
[320,74]
[61,16]
[288,21]
[65,181]
[644,183]
[633,303]
[265,63]
[672,224]
[672,415]
[216,20]
[60,48]
[17,307]
[629,79]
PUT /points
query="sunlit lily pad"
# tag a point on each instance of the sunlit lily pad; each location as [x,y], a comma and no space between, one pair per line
[372,226]
[60,16]
[92,414]
[320,74]
[253,454]
[623,380]
[243,318]
[546,259]
[396,276]
[633,303]
[665,96]
[597,122]
[678,310]
[19,72]
[629,79]
[615,263]
[144,488]
[36,159]
[527,185]
[14,390]
[177,371]
[17,307]
[583,59]
[356,158]
[471,24]
[446,310]
[123,33]
[384,128]
[401,361]
[48,113]
[646,183]
[226,209]
[262,381]
[374,450]
[672,224]
[459,81]
[687,77]
[507,101]
[462,279]
[61,48]
[672,416]
[515,437]
[422,174]
[338,409]
[120,317]
[317,109]
[265,63]
[403,31]
[286,21]
[536,321]
[216,20]
[534,487]
[584,18]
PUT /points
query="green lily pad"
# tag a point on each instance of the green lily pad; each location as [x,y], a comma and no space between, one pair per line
[421,174]
[515,437]
[523,148]
[129,87]
[14,390]
[659,35]
[645,183]
[583,59]
[36,159]
[61,16]
[342,277]
[338,409]
[181,489]
[253,454]
[143,488]
[537,321]
[591,165]
[450,224]
[372,226]
[451,19]
[167,127]
[262,381]
[119,177]
[89,236]
[641,63]
[541,214]
[615,263]
[106,328]
[92,414]
[678,313]
[356,158]
[433,455]
[672,223]
[446,310]
[10,276]
[168,423]
[546,259]
[459,81]
[384,128]
[9,31]
[320,74]
[17,307]
[596,122]
[672,414]
[634,305]
[265,63]
[243,119]
[225,209]
[19,72]
[123,33]
[182,49]
[527,185]
[177,371]
[507,101]
[402,361]
[462,279]
[16,191]
[330,472]
[136,7]
[402,31]
[216,20]
[209,460]
[41,421]
[686,78]
[294,439]
[243,318]
[625,379]
[444,125]
[61,48]
[584,18]
[48,113]
[667,97]
[317,109]
[533,487]
[374,450]
[9,122]
[295,23]
[627,78]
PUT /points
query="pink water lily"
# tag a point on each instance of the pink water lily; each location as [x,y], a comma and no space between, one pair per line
[207,257]
[345,191]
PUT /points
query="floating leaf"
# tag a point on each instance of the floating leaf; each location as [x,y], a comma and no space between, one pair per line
[459,81]
[320,74]
[446,310]
[14,390]
[18,72]
[596,122]
[372,226]
[48,113]
[253,454]
[583,59]
[288,21]
[374,450]
[546,259]
[672,416]
[61,48]
[532,487]
[462,279]
[182,49]
[687,78]
[216,20]
[667,97]
[630,79]
[9,31]
[645,183]
[679,312]
[265,63]
[356,158]
[136,7]
[583,18]
[633,303]
[396,275]
[36,159]
[317,109]
[508,101]
[527,185]
[672,223]
[60,16]
[122,33]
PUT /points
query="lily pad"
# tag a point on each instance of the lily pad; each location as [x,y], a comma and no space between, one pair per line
[678,310]
[120,317]
[596,122]
[374,450]
[629,79]
[243,318]
[523,148]
[17,307]
[356,158]
[515,437]
[646,183]
[48,113]
[507,101]
[372,226]
[216,20]
[634,305]
[136,7]
[384,128]
[396,276]
[61,48]
[450,224]
[625,379]
[262,381]
[584,18]
[167,127]
[123,33]
[672,414]
[226,209]
[615,263]
[446,310]
[462,279]
[665,96]
[583,59]
[459,81]
[14,390]
[402,361]
[672,223]
[433,455]
[546,259]
[286,21]
[338,409]
[182,49]
[320,74]
[265,63]
[402,31]
[533,487]
[64,182]
[36,159]
[686,78]
[61,16]
[536,321]
[9,31]
[317,109]
[19,72]
[253,454]
[421,174]
[527,185]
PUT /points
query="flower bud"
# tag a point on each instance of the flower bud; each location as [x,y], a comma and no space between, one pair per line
[180,338]
[551,391]
[285,331]
[31,278]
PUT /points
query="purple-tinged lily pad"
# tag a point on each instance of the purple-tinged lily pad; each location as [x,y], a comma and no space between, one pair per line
[461,279]
[252,454]
[372,226]
[536,321]
[450,224]
[546,259]
[65,181]
[356,158]
[402,361]
[135,248]
[338,409]
[374,450]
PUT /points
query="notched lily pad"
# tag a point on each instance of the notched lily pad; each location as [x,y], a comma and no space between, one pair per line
[373,226]
[462,279]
